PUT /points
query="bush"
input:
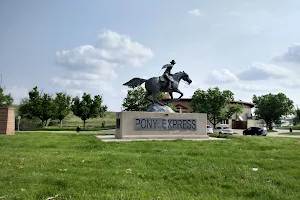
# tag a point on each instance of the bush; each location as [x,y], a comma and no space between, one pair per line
[28,124]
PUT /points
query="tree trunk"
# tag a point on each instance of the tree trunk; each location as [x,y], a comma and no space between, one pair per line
[269,125]
[43,123]
[84,124]
[215,123]
[60,123]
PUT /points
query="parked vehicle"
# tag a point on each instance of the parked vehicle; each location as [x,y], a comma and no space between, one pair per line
[223,130]
[209,129]
[255,131]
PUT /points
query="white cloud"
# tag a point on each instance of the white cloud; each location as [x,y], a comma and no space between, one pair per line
[262,71]
[255,29]
[292,55]
[255,88]
[121,49]
[292,84]
[112,50]
[221,76]
[195,12]
[234,13]
[87,84]
[95,66]
[17,93]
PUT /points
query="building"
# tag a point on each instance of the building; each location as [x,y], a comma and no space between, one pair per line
[237,121]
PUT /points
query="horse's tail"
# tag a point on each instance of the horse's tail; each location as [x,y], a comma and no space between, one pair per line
[135,82]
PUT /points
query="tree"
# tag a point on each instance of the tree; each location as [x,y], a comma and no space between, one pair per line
[87,107]
[215,104]
[37,105]
[134,101]
[5,100]
[272,107]
[62,106]
[296,119]
[24,109]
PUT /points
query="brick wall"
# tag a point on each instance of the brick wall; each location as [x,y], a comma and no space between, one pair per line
[7,121]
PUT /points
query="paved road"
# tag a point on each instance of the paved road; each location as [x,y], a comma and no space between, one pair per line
[271,134]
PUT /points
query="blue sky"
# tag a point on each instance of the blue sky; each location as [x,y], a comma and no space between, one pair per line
[249,47]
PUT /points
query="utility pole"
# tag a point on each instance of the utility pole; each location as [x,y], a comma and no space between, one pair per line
[1,81]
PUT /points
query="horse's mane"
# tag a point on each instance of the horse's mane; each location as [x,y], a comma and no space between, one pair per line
[178,72]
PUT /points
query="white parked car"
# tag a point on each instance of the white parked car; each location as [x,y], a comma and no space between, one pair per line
[209,129]
[223,130]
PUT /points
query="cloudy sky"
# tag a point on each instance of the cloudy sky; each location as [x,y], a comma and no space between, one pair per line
[94,46]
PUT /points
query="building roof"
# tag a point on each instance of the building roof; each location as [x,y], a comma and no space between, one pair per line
[179,106]
[232,102]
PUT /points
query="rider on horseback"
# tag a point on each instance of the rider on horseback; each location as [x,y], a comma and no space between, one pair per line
[167,74]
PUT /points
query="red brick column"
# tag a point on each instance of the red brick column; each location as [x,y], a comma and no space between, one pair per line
[7,121]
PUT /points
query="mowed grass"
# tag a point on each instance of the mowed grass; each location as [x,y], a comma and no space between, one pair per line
[80,166]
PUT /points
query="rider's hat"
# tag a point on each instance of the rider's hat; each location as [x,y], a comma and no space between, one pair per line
[173,62]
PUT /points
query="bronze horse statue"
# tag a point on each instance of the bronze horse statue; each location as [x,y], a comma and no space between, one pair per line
[155,85]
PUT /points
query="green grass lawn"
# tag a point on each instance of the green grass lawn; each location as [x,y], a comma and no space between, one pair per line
[79,166]
[291,133]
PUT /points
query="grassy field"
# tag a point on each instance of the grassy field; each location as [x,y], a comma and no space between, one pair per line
[290,133]
[79,166]
[70,123]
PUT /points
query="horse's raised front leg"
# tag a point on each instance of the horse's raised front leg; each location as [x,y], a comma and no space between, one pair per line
[171,95]
[178,91]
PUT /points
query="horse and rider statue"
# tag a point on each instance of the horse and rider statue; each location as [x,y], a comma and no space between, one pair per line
[168,82]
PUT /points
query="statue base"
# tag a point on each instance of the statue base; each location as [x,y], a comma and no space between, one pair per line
[159,125]
[159,108]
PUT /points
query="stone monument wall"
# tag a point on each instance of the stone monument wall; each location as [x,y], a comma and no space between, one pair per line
[7,121]
[160,125]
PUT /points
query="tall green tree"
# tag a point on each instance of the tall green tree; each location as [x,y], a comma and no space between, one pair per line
[215,104]
[134,101]
[272,107]
[87,108]
[24,109]
[296,118]
[37,105]
[5,100]
[62,106]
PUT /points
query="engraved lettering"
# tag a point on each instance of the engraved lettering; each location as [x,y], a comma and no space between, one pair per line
[189,124]
[179,124]
[143,123]
[170,124]
[184,123]
[164,124]
[194,124]
[149,123]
